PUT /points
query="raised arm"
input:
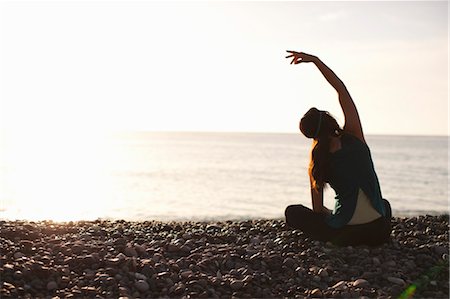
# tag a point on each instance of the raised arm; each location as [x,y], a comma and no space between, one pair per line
[352,121]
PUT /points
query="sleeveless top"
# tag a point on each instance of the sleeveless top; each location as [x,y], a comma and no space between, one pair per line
[364,212]
[352,170]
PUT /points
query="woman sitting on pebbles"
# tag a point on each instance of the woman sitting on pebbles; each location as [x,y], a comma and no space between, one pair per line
[341,158]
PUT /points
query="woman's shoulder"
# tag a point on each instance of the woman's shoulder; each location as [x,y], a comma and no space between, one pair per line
[352,136]
[348,137]
[353,143]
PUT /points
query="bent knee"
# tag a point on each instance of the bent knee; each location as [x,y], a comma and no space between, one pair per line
[294,212]
[289,212]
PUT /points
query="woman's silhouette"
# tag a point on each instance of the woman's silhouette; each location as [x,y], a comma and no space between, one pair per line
[341,158]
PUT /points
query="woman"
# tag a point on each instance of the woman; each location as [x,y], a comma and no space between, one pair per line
[341,158]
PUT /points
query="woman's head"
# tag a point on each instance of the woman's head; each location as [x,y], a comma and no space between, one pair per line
[320,126]
[317,124]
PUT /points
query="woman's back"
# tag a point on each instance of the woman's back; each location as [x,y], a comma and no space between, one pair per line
[352,170]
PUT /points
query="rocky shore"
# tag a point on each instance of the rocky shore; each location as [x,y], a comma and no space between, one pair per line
[247,259]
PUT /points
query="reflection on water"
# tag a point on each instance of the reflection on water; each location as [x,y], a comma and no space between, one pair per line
[54,177]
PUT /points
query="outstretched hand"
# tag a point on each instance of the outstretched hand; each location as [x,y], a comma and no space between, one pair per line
[298,57]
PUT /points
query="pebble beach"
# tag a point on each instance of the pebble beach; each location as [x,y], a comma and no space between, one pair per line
[240,259]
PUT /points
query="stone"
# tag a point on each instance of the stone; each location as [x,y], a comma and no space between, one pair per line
[173,247]
[323,273]
[360,283]
[410,264]
[52,285]
[289,262]
[120,242]
[142,286]
[8,286]
[236,284]
[157,257]
[391,263]
[123,291]
[440,250]
[179,289]
[112,261]
[186,273]
[218,274]
[247,278]
[27,245]
[316,293]
[140,276]
[18,255]
[140,249]
[130,251]
[339,286]
[213,227]
[396,280]
[121,256]
[18,275]
[77,248]
[185,249]
[90,290]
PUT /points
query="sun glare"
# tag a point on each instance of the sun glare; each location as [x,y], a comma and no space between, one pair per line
[54,177]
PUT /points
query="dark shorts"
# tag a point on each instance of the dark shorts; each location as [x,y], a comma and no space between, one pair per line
[314,226]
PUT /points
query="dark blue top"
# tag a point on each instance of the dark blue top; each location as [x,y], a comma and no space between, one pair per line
[351,169]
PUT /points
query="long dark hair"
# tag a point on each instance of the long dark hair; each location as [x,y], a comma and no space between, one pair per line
[320,126]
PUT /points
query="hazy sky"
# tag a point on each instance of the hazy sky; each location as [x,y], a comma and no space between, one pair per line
[90,66]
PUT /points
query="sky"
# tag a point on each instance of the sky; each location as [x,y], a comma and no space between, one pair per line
[78,67]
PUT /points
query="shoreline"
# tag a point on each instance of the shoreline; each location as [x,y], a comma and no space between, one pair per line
[207,259]
[212,219]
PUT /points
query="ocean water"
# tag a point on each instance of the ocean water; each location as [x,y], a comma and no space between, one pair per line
[202,176]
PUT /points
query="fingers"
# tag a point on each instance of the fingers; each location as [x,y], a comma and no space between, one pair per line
[296,56]
[296,60]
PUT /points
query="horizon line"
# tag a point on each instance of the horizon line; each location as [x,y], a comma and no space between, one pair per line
[262,132]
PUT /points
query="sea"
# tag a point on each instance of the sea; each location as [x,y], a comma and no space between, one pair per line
[201,176]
